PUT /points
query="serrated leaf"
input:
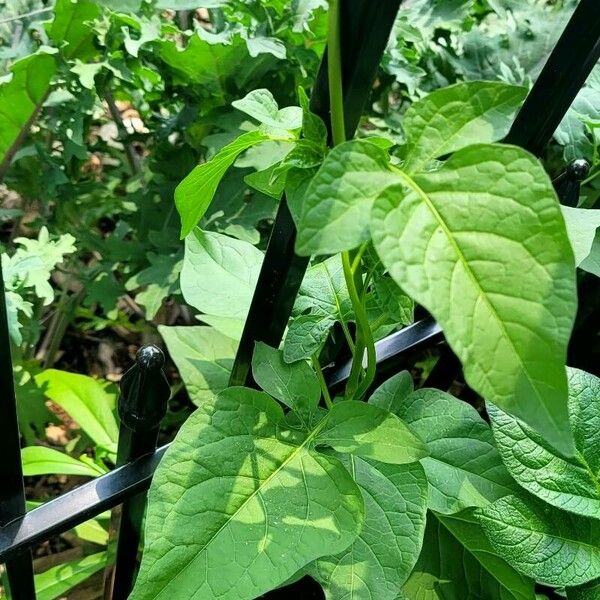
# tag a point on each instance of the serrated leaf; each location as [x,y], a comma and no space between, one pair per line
[451,118]
[463,467]
[203,356]
[337,203]
[479,243]
[380,559]
[39,460]
[296,384]
[581,227]
[261,105]
[219,274]
[20,100]
[56,581]
[542,542]
[195,193]
[372,432]
[393,392]
[458,563]
[570,484]
[238,505]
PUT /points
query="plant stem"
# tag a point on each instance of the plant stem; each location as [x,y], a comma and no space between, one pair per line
[322,382]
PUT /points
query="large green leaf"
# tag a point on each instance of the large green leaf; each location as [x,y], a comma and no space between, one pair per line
[72,31]
[204,358]
[570,484]
[39,460]
[55,582]
[88,401]
[219,274]
[195,193]
[481,243]
[545,543]
[590,591]
[458,563]
[463,467]
[296,384]
[459,115]
[20,100]
[337,203]
[378,562]
[239,504]
[371,432]
[393,392]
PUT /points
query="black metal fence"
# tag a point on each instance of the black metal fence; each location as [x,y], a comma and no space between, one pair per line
[144,391]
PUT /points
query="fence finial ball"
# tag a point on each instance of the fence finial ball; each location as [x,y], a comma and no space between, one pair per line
[150,358]
[578,169]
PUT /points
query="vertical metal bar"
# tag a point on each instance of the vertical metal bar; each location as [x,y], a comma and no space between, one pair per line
[19,570]
[563,75]
[142,405]
[365,28]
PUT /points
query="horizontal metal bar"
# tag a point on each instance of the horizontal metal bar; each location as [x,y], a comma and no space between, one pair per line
[78,505]
[107,491]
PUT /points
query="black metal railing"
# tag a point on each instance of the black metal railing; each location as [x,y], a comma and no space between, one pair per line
[144,392]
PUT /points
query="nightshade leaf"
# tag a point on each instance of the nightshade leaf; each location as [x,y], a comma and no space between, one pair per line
[392,393]
[371,432]
[39,460]
[305,336]
[463,467]
[195,193]
[481,243]
[377,563]
[219,274]
[581,226]
[335,209]
[261,105]
[295,384]
[203,356]
[458,563]
[571,484]
[239,504]
[451,118]
[550,545]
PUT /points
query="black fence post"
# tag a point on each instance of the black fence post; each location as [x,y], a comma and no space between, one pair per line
[142,405]
[19,570]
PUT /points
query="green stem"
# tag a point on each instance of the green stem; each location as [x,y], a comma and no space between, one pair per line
[322,382]
[334,74]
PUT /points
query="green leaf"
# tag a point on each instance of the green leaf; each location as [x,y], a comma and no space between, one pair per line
[20,100]
[39,460]
[296,385]
[550,545]
[590,591]
[479,243]
[570,484]
[463,467]
[219,274]
[581,227]
[337,203]
[370,432]
[71,29]
[238,504]
[195,193]
[204,358]
[55,582]
[378,562]
[393,392]
[458,563]
[324,296]
[88,401]
[449,119]
[261,105]
[392,301]
[92,531]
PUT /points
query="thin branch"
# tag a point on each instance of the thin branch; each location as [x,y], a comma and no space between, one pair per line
[133,157]
[26,15]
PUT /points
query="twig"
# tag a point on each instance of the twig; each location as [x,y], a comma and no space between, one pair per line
[38,11]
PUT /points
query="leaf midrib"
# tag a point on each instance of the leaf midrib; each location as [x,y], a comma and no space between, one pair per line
[412,184]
